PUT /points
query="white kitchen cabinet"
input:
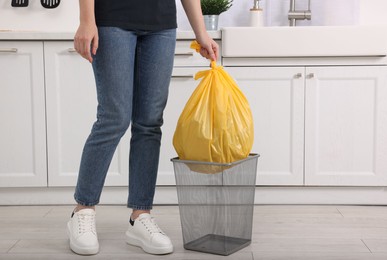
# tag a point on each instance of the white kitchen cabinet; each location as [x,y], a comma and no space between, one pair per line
[276,97]
[345,120]
[71,111]
[346,126]
[22,115]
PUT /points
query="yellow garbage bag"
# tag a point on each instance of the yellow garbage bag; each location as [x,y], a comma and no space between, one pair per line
[216,124]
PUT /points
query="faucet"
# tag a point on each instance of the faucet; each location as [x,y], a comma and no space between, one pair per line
[295,15]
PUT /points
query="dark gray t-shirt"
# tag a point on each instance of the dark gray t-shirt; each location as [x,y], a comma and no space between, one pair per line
[136,14]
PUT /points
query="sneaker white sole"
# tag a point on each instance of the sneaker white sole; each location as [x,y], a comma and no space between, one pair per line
[148,248]
[81,250]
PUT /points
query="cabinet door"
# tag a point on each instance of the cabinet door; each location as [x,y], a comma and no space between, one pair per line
[22,115]
[276,97]
[346,126]
[71,112]
[181,87]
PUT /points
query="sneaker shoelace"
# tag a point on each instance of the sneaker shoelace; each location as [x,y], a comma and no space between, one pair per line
[151,225]
[86,223]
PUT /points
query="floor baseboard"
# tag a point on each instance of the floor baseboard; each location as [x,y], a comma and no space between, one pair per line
[167,195]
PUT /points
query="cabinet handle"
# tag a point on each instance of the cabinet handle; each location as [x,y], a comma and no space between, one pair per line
[310,75]
[9,50]
[184,54]
[182,76]
[71,50]
[298,75]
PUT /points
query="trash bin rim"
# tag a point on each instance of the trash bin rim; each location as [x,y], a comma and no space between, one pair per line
[250,157]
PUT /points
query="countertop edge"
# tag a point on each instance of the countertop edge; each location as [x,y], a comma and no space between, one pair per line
[69,36]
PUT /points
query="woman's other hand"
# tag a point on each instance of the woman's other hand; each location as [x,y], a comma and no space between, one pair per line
[86,36]
[86,40]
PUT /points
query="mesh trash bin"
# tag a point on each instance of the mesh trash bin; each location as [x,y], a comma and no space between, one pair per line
[216,204]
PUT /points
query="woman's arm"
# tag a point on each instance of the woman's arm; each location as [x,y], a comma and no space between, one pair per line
[87,32]
[193,10]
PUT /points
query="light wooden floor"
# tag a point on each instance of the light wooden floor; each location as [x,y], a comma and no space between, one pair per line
[280,232]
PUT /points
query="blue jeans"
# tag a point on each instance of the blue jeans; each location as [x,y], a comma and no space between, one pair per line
[132,71]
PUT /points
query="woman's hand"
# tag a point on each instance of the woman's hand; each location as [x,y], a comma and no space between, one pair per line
[86,38]
[209,48]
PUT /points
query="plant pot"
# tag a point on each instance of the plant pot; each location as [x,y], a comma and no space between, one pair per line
[211,22]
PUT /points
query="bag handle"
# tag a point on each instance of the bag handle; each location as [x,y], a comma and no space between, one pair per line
[196,46]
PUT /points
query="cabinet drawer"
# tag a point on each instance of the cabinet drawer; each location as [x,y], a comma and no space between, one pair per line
[187,57]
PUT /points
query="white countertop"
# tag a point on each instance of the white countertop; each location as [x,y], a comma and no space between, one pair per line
[39,35]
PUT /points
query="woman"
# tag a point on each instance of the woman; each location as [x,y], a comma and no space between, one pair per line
[131,47]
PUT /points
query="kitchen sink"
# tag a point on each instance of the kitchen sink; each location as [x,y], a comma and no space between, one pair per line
[311,41]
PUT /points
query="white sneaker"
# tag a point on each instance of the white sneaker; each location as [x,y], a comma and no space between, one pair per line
[82,232]
[145,233]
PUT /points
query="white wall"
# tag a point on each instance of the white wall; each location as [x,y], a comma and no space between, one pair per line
[64,18]
[324,12]
[373,11]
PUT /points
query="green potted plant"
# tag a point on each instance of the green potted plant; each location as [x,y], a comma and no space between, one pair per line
[211,10]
